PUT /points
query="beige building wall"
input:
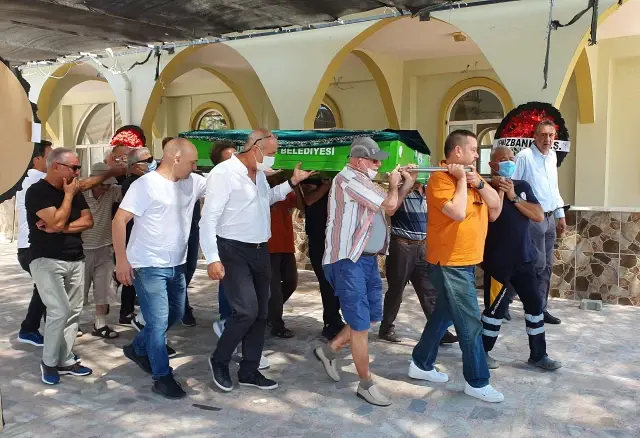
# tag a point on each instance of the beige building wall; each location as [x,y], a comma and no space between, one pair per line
[567,171]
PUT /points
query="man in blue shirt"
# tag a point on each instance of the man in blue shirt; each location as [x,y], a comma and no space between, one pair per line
[406,262]
[509,258]
[537,165]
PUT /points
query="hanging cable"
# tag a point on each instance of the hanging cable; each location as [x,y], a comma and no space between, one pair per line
[545,70]
[157,54]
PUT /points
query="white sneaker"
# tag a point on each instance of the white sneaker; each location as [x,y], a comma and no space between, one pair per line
[486,393]
[218,327]
[264,362]
[430,376]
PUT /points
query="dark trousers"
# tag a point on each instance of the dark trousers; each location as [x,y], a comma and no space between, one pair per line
[406,262]
[37,309]
[128,294]
[193,247]
[543,236]
[524,281]
[330,302]
[246,286]
[284,281]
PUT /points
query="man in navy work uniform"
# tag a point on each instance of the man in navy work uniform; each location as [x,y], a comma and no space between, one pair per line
[509,261]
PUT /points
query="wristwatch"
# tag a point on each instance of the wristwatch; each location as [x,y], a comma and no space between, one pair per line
[516,199]
[480,185]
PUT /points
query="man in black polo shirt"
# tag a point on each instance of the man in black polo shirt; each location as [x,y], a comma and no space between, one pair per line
[509,258]
[316,199]
[57,214]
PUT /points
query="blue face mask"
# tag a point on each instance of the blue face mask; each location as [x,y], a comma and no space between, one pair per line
[506,168]
[152,166]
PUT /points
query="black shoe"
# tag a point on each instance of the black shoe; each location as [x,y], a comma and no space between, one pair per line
[257,380]
[141,361]
[167,387]
[330,331]
[188,320]
[221,376]
[550,319]
[389,336]
[507,315]
[170,351]
[126,320]
[448,338]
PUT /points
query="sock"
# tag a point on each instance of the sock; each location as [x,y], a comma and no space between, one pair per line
[101,321]
[328,352]
[366,383]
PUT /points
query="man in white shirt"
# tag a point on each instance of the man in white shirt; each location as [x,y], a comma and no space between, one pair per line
[234,230]
[537,165]
[30,328]
[162,203]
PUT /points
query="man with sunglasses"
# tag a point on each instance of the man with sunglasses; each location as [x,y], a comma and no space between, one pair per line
[57,214]
[235,228]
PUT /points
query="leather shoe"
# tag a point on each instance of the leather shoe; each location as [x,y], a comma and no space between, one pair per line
[550,319]
[389,336]
[448,338]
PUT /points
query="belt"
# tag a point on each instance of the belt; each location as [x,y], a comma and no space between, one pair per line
[407,241]
[548,213]
[244,244]
[370,254]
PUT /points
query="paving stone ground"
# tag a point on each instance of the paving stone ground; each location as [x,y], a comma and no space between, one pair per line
[596,394]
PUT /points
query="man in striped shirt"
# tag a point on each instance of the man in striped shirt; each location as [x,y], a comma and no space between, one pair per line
[356,234]
[98,250]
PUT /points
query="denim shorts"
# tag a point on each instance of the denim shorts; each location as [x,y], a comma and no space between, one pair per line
[359,288]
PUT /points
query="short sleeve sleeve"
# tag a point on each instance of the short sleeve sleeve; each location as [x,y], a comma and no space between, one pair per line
[525,188]
[80,201]
[35,201]
[200,185]
[116,193]
[440,189]
[137,199]
[363,194]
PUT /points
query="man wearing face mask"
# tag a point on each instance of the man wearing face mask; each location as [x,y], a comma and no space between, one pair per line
[234,230]
[154,260]
[356,235]
[509,258]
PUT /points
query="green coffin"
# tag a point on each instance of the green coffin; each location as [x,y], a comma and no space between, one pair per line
[323,151]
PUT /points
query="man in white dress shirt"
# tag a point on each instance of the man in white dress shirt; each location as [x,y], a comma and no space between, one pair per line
[234,230]
[538,166]
[162,203]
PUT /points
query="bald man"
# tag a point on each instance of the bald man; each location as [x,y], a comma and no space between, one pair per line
[235,228]
[154,259]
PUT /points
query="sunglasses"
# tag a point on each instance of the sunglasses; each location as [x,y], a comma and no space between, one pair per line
[264,138]
[75,168]
[148,161]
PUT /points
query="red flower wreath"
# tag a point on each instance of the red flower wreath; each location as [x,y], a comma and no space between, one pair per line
[129,138]
[523,125]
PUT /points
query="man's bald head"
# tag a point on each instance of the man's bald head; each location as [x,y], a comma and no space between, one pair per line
[260,143]
[182,157]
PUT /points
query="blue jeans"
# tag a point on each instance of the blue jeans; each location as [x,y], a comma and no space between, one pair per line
[457,301]
[359,288]
[223,304]
[161,293]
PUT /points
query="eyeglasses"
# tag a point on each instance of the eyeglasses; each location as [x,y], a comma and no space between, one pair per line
[275,137]
[148,161]
[75,168]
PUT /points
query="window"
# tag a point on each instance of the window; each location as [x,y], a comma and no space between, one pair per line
[325,118]
[212,119]
[210,115]
[96,129]
[479,111]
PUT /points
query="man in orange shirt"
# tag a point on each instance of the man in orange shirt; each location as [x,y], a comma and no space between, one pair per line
[284,271]
[459,205]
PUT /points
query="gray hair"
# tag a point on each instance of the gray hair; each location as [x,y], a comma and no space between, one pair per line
[135,156]
[543,123]
[498,148]
[58,155]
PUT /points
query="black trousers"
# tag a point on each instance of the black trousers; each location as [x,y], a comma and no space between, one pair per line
[330,303]
[37,309]
[525,282]
[406,263]
[284,281]
[246,285]
[128,294]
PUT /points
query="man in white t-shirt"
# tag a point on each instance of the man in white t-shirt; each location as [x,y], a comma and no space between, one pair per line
[30,328]
[162,203]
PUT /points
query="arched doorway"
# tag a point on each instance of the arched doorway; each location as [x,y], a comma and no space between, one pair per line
[480,111]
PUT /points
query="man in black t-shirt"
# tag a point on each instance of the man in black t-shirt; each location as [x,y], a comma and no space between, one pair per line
[509,258]
[316,199]
[57,213]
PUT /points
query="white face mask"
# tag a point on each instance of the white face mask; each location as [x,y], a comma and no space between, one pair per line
[372,174]
[267,162]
